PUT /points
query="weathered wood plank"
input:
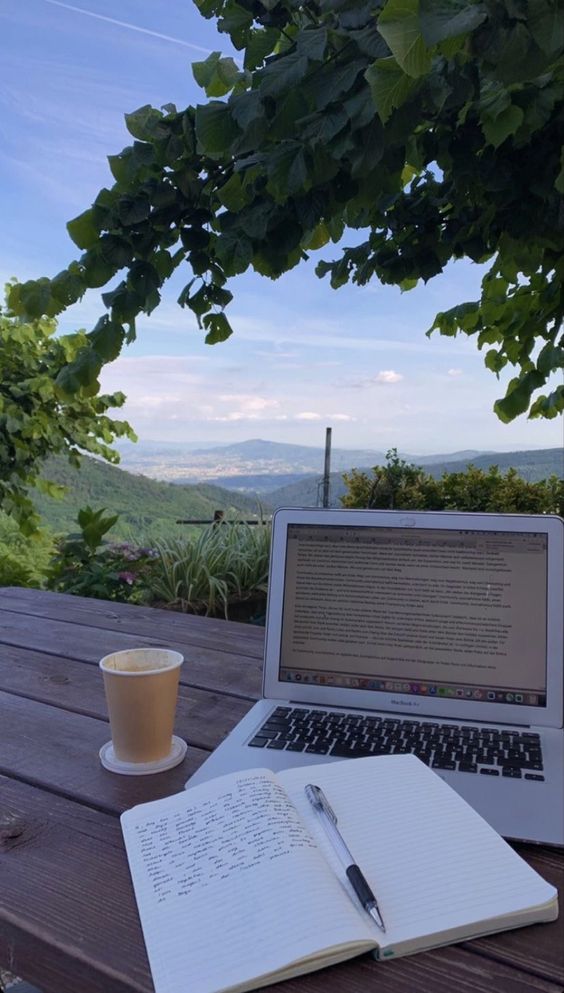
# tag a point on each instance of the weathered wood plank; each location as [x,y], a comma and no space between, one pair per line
[68,919]
[58,750]
[206,668]
[206,632]
[203,717]
[548,939]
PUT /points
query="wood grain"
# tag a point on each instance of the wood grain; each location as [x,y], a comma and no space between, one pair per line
[58,750]
[206,632]
[66,886]
[68,921]
[203,717]
[224,671]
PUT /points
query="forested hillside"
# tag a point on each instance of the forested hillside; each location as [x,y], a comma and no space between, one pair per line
[146,507]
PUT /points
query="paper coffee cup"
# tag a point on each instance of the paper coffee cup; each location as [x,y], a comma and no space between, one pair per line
[141,686]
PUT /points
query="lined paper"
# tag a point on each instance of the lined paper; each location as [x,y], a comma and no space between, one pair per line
[230,885]
[434,864]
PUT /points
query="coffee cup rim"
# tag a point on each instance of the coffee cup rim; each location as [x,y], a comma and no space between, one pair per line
[176,660]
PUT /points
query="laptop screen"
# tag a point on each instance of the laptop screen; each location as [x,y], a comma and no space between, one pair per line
[422,611]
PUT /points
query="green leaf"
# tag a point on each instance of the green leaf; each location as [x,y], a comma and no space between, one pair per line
[218,328]
[287,170]
[67,287]
[442,19]
[260,44]
[82,373]
[133,209]
[318,237]
[215,127]
[234,253]
[97,271]
[518,396]
[107,339]
[232,194]
[282,74]
[321,128]
[146,124]
[499,128]
[236,22]
[116,251]
[83,231]
[399,25]
[550,358]
[216,75]
[312,42]
[549,406]
[546,23]
[389,85]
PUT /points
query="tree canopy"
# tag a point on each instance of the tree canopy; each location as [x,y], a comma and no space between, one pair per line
[38,419]
[432,127]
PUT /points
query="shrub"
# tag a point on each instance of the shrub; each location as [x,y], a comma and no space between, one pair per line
[223,572]
[23,561]
[85,565]
[407,487]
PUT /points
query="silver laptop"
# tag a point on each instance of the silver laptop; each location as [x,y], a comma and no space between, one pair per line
[434,633]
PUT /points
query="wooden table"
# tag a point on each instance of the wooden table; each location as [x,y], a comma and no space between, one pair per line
[68,920]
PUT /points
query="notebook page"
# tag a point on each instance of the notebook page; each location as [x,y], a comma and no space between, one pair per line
[432,861]
[230,885]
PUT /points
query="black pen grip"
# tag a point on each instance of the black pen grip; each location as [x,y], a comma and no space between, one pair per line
[360,886]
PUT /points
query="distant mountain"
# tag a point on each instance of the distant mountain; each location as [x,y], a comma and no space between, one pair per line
[147,508]
[531,465]
[261,483]
[254,465]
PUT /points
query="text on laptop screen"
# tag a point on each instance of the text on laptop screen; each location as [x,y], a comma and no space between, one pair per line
[444,613]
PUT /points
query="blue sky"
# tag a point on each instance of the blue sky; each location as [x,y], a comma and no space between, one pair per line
[303,356]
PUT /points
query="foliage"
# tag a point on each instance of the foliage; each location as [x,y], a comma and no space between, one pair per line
[148,509]
[23,560]
[407,487]
[433,127]
[395,485]
[493,491]
[86,566]
[223,569]
[37,418]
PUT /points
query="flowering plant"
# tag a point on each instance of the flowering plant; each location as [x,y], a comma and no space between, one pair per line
[86,565]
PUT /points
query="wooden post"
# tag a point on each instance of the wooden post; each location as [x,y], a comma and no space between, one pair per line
[327,468]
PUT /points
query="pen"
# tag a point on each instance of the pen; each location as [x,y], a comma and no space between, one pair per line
[319,803]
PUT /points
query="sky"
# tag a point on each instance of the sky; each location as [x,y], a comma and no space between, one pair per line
[303,357]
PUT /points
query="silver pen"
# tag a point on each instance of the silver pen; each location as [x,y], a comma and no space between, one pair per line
[367,899]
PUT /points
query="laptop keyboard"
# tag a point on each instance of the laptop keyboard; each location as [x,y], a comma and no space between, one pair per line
[461,748]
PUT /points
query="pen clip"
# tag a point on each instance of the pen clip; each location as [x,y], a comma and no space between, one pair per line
[317,797]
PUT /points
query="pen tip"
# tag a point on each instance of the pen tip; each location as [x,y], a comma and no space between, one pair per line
[377,918]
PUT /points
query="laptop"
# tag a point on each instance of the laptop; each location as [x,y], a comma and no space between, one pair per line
[437,633]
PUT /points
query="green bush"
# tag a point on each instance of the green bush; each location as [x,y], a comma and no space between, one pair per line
[23,561]
[85,565]
[223,572]
[408,487]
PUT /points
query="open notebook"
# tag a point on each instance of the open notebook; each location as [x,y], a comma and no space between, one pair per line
[237,885]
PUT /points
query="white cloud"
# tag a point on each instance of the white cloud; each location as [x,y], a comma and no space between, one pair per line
[388,376]
[247,403]
[454,372]
[340,417]
[308,415]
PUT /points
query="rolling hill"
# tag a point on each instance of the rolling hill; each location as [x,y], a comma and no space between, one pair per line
[147,508]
